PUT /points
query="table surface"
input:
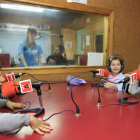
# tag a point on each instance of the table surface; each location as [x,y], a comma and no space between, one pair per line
[113,122]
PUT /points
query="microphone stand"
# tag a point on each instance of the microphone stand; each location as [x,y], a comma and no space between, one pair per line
[124,100]
[39,111]
[61,40]
[77,107]
[93,84]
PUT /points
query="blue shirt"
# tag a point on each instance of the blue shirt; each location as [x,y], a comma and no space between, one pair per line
[119,78]
[30,55]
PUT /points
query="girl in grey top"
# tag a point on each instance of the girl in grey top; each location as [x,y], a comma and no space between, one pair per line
[8,123]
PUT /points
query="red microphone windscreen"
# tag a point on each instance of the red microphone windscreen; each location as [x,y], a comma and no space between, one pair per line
[138,73]
[9,89]
[4,78]
[106,73]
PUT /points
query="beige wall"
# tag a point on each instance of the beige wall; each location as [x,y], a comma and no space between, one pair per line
[126,40]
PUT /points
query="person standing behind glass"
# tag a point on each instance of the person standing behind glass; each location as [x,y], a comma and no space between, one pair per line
[30,51]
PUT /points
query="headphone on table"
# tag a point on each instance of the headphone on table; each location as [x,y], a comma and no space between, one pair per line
[115,57]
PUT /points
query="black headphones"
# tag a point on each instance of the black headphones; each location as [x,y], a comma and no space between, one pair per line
[115,57]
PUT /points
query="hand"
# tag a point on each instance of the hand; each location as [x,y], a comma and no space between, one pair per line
[103,80]
[18,80]
[51,61]
[1,79]
[39,126]
[108,85]
[12,105]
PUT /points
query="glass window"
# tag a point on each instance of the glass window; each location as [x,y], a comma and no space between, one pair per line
[33,36]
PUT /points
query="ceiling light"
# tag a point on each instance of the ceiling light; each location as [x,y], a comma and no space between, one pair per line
[21,7]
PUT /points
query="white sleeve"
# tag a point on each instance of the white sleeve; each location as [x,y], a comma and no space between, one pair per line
[134,88]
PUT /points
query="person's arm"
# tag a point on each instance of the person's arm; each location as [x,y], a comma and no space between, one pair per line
[39,126]
[134,88]
[39,54]
[3,102]
[8,123]
[51,61]
[21,53]
[115,85]
[13,121]
[103,80]
[12,105]
[39,60]
[111,85]
[23,60]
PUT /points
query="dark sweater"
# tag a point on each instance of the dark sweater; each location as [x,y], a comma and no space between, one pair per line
[59,60]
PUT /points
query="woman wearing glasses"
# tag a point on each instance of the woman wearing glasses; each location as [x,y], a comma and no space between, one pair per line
[57,58]
[30,51]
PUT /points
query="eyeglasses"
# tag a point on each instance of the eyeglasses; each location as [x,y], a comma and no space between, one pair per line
[32,33]
[56,50]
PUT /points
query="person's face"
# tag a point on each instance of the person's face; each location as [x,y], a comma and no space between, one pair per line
[57,51]
[31,35]
[115,66]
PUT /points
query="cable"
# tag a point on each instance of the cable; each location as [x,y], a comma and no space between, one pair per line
[115,104]
[99,99]
[77,108]
[22,105]
[10,133]
[57,113]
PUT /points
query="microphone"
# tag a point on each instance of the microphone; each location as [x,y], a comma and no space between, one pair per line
[39,35]
[61,36]
[125,80]
[19,74]
[9,89]
[100,72]
[132,77]
[5,78]
[11,76]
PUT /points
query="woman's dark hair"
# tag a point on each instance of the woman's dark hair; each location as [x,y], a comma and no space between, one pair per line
[31,30]
[61,48]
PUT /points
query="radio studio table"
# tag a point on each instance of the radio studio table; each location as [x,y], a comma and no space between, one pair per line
[113,122]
